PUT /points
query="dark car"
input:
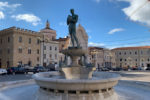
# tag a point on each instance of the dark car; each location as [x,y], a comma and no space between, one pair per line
[11,70]
[103,69]
[16,70]
[117,69]
[30,69]
[51,67]
[39,69]
[148,68]
[20,70]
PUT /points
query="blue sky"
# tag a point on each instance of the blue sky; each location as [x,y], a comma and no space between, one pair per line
[108,22]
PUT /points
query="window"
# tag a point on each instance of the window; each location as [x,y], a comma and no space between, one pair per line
[148,59]
[50,48]
[55,56]
[120,64]
[44,56]
[8,39]
[120,59]
[125,53]
[135,52]
[20,39]
[38,59]
[29,51]
[53,37]
[92,56]
[141,52]
[125,59]
[29,40]
[8,51]
[55,48]
[120,53]
[44,47]
[20,50]
[130,53]
[135,59]
[50,56]
[38,41]
[38,51]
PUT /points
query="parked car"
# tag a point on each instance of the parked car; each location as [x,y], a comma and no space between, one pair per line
[148,68]
[16,70]
[11,70]
[30,69]
[103,69]
[117,69]
[3,71]
[134,68]
[51,67]
[39,69]
[20,70]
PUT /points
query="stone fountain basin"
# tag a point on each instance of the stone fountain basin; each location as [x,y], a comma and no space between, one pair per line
[54,80]
[74,52]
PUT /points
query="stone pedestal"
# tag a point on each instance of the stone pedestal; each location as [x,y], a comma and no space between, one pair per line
[76,71]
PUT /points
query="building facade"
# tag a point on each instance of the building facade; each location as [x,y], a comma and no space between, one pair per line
[132,57]
[49,47]
[101,57]
[19,46]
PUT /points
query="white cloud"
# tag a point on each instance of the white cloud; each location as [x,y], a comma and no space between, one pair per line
[28,18]
[97,1]
[95,44]
[90,37]
[138,11]
[63,24]
[4,5]
[115,30]
[2,16]
[88,31]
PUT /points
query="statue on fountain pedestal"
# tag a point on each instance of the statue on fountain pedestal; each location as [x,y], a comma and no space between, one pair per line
[71,22]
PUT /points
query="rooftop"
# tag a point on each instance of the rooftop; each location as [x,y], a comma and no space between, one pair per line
[62,39]
[126,48]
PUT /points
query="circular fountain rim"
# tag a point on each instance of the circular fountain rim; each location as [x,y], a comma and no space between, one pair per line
[39,77]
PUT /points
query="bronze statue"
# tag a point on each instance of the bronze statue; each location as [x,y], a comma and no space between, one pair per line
[71,22]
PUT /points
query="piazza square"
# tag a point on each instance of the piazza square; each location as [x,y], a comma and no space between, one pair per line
[74,50]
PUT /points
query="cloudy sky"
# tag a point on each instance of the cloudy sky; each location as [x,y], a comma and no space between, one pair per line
[108,23]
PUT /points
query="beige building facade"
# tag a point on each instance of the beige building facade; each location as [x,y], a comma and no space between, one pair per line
[132,57]
[19,46]
[101,57]
[49,47]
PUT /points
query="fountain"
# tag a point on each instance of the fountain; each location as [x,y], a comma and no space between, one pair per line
[76,81]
